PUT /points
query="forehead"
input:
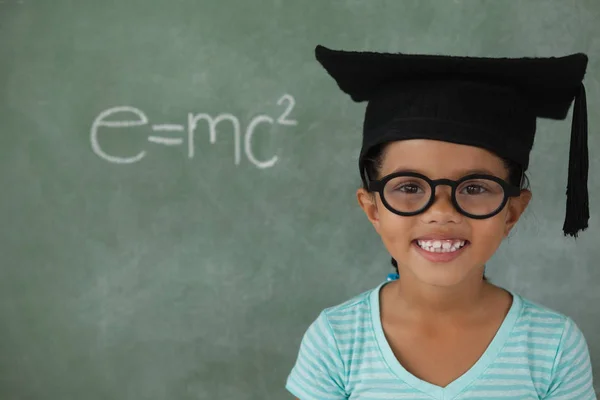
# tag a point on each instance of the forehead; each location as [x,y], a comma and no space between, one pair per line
[438,158]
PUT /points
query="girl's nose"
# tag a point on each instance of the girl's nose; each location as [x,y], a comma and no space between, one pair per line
[442,210]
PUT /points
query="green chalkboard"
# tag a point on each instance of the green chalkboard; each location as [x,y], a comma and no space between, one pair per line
[178,185]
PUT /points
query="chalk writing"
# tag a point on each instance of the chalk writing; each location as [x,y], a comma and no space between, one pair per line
[282,120]
[165,141]
[100,122]
[194,122]
[168,127]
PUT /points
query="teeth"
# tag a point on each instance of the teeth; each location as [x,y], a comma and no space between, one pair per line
[441,246]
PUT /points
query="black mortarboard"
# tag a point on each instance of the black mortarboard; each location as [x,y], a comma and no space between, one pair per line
[491,103]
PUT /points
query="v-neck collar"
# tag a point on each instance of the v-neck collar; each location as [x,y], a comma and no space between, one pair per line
[458,385]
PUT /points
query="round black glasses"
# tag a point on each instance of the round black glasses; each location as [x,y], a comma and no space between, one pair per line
[477,196]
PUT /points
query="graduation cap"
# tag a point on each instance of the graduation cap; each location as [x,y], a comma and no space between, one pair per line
[492,103]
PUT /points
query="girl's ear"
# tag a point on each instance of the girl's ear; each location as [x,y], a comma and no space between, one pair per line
[368,202]
[516,206]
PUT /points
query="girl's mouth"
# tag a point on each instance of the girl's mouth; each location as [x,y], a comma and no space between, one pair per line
[440,250]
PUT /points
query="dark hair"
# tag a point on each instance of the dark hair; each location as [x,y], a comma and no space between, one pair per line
[374,161]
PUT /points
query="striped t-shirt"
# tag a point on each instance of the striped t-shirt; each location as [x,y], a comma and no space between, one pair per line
[537,353]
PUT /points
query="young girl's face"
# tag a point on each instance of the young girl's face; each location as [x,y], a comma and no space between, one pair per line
[436,160]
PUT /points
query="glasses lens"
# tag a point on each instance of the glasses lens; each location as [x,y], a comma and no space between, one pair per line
[479,196]
[407,193]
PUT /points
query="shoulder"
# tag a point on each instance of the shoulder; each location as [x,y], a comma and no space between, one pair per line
[541,321]
[350,314]
[532,309]
[343,324]
[321,368]
[344,316]
[553,342]
[539,316]
[549,320]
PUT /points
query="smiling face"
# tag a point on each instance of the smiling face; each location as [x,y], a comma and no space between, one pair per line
[444,263]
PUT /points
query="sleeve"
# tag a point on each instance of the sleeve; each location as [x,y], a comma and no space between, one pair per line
[572,371]
[318,372]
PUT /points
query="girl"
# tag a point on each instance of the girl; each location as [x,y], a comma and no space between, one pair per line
[446,142]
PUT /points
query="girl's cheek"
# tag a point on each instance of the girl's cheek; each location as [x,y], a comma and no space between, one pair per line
[397,229]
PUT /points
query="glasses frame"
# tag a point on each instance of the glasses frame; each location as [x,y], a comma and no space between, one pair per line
[508,189]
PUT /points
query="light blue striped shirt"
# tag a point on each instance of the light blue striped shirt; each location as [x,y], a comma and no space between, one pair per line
[537,353]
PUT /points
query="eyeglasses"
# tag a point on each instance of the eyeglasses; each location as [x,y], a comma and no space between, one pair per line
[477,196]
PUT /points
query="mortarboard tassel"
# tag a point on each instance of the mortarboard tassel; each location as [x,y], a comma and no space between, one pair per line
[577,214]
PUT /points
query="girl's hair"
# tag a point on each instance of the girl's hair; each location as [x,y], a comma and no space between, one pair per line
[374,160]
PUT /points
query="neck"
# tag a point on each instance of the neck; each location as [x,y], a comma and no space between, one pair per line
[426,302]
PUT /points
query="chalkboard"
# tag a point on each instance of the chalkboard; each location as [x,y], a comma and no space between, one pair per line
[178,185]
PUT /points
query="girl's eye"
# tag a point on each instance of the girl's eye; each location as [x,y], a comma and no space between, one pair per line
[408,188]
[474,189]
